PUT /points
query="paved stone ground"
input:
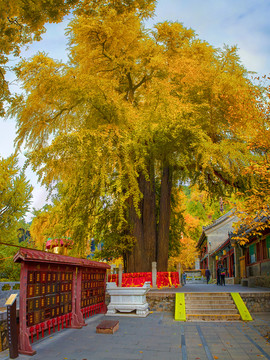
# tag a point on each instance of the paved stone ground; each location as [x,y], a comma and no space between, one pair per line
[157,337]
[262,324]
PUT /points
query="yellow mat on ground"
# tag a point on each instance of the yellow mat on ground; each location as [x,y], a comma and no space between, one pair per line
[180,307]
[243,311]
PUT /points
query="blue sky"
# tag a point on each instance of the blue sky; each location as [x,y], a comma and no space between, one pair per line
[244,23]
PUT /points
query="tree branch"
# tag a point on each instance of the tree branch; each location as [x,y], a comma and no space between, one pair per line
[226,181]
[3,210]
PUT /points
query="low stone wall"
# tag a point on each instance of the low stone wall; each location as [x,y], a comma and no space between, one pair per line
[8,288]
[260,281]
[257,302]
[232,280]
[161,301]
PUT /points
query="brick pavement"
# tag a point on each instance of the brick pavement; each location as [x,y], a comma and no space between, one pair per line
[157,337]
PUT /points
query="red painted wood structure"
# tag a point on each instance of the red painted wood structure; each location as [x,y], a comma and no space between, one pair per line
[57,292]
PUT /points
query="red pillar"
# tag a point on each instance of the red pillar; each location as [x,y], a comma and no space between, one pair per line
[24,341]
[77,320]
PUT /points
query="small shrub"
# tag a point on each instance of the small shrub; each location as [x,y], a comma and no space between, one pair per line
[6,287]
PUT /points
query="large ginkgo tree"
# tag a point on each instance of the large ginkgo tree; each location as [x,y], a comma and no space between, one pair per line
[133,113]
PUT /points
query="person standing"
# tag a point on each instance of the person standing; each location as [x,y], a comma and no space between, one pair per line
[222,276]
[184,278]
[207,274]
[218,275]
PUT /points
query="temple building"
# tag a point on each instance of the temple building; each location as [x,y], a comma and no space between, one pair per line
[247,264]
[216,247]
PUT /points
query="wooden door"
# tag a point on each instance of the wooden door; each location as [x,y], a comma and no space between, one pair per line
[242,267]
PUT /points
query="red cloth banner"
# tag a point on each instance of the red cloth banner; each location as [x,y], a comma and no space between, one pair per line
[164,279]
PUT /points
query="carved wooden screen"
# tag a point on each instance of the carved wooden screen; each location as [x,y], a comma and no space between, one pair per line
[53,295]
[92,291]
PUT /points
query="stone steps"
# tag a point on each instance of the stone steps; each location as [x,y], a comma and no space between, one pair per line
[207,295]
[211,302]
[210,307]
[212,311]
[213,317]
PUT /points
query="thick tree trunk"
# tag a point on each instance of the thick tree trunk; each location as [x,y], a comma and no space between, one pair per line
[151,246]
[144,228]
[135,259]
[149,222]
[164,220]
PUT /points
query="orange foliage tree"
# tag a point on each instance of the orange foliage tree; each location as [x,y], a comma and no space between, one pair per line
[254,211]
[192,209]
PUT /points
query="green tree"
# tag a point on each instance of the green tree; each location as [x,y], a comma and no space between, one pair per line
[15,194]
[133,114]
[16,236]
[8,269]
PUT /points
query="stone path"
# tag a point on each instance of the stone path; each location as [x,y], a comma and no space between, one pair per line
[157,337]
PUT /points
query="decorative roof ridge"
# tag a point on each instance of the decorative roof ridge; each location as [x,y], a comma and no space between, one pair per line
[33,255]
[219,220]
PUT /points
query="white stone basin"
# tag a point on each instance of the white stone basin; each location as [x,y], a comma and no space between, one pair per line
[124,301]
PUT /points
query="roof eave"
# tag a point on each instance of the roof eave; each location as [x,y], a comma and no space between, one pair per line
[21,255]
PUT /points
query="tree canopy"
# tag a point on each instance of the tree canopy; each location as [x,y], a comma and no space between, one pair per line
[22,22]
[253,211]
[134,113]
[15,194]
